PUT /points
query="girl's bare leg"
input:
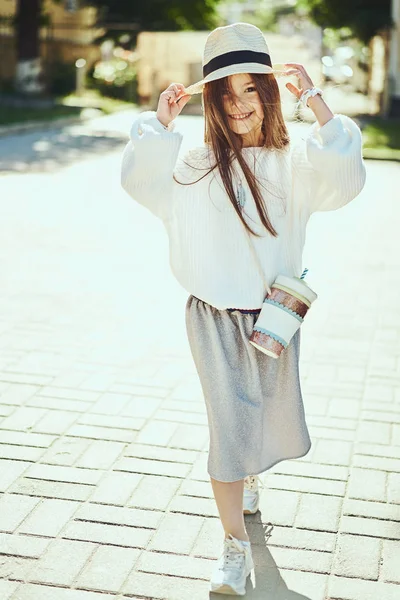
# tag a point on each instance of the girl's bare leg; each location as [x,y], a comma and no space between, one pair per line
[229,499]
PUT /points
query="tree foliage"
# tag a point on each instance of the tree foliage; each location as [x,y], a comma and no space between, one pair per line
[159,15]
[364,17]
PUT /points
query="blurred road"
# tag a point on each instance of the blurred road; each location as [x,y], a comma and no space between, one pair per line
[103,435]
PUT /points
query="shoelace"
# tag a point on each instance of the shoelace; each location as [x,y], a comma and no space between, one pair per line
[233,555]
[250,483]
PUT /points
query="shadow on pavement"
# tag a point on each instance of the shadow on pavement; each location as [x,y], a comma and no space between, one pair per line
[48,151]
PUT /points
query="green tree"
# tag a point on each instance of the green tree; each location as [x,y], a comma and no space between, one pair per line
[365,18]
[158,15]
[150,15]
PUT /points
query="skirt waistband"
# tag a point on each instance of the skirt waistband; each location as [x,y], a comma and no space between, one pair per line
[242,310]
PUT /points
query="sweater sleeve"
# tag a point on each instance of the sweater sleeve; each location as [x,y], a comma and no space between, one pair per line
[327,165]
[148,162]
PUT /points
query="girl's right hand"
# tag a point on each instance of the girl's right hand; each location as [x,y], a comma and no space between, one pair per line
[171,102]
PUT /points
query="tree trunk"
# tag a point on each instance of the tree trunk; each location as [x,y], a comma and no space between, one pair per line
[29,75]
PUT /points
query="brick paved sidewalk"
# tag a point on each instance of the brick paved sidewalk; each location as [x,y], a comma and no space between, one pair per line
[105,492]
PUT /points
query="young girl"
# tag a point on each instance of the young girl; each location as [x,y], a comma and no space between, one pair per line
[247,175]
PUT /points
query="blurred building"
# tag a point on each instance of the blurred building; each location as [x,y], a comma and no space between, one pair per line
[67,36]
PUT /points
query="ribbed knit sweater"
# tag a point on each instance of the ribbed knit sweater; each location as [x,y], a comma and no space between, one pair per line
[208,250]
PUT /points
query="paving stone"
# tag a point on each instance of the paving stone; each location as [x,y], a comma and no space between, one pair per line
[52,489]
[390,561]
[158,433]
[111,421]
[291,537]
[17,394]
[396,434]
[7,588]
[367,484]
[61,563]
[19,438]
[108,568]
[115,515]
[68,393]
[306,484]
[6,410]
[116,535]
[311,585]
[357,556]
[329,433]
[62,404]
[314,470]
[56,421]
[394,488]
[210,539]
[66,451]
[152,467]
[376,433]
[175,564]
[380,416]
[140,390]
[333,422]
[190,437]
[155,586]
[377,510]
[279,507]
[110,404]
[116,488]
[194,506]
[14,509]
[302,560]
[98,381]
[160,453]
[176,533]
[23,418]
[377,462]
[66,474]
[10,471]
[346,588]
[15,567]
[319,512]
[333,452]
[26,453]
[201,489]
[100,455]
[154,492]
[102,433]
[49,517]
[22,545]
[370,527]
[180,416]
[344,407]
[141,407]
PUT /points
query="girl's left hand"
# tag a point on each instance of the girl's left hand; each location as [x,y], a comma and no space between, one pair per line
[305,80]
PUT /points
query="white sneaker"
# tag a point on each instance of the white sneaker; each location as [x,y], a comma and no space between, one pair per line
[233,567]
[251,494]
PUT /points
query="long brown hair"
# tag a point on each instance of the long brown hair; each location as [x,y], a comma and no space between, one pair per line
[227,145]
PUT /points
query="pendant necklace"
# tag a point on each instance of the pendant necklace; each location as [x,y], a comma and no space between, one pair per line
[240,195]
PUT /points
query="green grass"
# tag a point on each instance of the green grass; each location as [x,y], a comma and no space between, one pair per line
[66,106]
[93,99]
[13,115]
[381,139]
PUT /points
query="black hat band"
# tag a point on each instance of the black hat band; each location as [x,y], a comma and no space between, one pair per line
[236,57]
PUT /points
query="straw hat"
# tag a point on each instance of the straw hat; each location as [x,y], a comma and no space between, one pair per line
[236,48]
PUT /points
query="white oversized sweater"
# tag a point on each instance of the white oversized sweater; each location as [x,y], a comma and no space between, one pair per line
[208,251]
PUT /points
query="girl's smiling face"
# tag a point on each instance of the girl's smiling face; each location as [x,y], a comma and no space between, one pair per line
[243,106]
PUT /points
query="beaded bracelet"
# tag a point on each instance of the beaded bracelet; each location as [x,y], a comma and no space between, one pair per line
[310,93]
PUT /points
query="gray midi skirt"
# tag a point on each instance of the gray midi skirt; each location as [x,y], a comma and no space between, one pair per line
[254,403]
